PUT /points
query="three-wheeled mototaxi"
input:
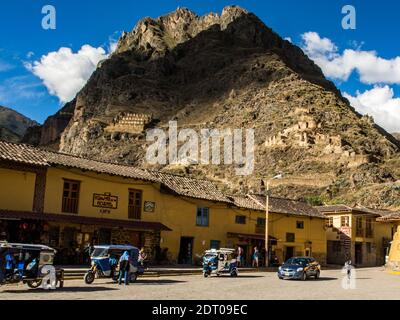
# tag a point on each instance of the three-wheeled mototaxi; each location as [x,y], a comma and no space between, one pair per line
[29,263]
[104,263]
[219,262]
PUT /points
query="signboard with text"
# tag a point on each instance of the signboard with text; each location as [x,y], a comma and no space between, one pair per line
[105,200]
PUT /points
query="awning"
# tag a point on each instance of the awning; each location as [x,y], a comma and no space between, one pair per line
[249,236]
[73,218]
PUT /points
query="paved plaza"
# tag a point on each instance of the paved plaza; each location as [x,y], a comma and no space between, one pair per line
[373,283]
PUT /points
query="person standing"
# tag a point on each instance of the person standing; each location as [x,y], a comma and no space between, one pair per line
[124,265]
[142,256]
[256,256]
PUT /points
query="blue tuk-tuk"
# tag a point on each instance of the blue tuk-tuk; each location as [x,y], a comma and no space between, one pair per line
[104,263]
[219,262]
[30,264]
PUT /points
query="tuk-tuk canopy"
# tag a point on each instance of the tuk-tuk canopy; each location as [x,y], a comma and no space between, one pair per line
[116,247]
[104,250]
[24,246]
[222,250]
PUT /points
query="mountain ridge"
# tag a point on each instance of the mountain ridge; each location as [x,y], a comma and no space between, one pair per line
[232,71]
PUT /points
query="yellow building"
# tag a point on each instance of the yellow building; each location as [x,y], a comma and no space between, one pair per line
[393,259]
[353,233]
[68,202]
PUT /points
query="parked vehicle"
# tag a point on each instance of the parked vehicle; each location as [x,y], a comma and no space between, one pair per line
[30,264]
[300,268]
[219,262]
[104,263]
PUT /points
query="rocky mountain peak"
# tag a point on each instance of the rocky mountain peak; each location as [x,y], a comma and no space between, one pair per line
[230,70]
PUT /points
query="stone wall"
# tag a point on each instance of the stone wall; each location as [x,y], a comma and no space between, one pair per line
[133,123]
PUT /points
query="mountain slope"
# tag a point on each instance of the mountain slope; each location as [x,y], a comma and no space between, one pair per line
[231,71]
[13,125]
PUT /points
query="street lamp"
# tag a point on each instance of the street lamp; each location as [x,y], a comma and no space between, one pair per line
[277,177]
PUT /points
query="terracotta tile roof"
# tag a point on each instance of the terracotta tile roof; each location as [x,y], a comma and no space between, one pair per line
[245,202]
[54,158]
[334,208]
[21,153]
[277,205]
[194,188]
[327,209]
[394,216]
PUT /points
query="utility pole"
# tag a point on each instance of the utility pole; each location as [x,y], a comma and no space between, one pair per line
[279,176]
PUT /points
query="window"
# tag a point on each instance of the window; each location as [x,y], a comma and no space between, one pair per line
[368,228]
[329,222]
[240,220]
[299,224]
[202,217]
[345,221]
[261,222]
[135,204]
[359,227]
[290,237]
[70,197]
[215,244]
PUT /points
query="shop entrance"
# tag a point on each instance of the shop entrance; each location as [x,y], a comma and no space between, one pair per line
[289,253]
[186,250]
[358,252]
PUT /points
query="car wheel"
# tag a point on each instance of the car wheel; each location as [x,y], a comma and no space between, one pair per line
[281,278]
[317,275]
[34,284]
[304,276]
[89,277]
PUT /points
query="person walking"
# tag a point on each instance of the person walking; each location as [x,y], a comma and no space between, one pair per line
[256,256]
[124,265]
[239,257]
[142,257]
[348,267]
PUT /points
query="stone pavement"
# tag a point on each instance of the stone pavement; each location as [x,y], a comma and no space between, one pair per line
[370,284]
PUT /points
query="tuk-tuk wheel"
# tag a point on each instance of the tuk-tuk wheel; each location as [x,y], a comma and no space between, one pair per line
[34,284]
[89,277]
[205,274]
[234,274]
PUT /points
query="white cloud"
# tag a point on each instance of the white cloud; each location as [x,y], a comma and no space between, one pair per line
[371,68]
[289,39]
[64,72]
[379,103]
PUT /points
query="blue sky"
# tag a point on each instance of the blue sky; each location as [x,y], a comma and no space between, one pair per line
[97,23]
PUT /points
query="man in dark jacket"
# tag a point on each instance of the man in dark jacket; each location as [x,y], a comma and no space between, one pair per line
[124,265]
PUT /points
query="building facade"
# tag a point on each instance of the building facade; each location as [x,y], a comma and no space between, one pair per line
[354,233]
[69,202]
[393,258]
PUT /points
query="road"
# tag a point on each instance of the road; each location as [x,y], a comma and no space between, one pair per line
[370,284]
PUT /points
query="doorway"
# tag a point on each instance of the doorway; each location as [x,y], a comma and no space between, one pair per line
[358,252]
[186,250]
[289,253]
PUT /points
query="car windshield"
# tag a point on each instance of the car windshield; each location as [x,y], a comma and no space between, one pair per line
[100,252]
[297,261]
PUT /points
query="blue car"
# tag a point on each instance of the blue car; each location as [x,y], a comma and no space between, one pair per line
[300,268]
